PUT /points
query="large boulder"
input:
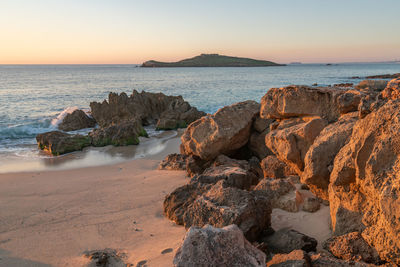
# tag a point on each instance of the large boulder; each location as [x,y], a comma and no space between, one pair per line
[318,161]
[148,108]
[365,182]
[272,167]
[292,138]
[286,240]
[222,133]
[300,101]
[222,206]
[351,247]
[392,90]
[210,246]
[76,120]
[121,134]
[257,144]
[57,143]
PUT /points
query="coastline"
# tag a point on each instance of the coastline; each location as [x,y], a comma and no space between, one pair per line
[50,218]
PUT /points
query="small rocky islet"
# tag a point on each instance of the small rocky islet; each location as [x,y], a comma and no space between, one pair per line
[300,148]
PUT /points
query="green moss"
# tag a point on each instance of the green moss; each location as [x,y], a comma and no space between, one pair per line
[143,133]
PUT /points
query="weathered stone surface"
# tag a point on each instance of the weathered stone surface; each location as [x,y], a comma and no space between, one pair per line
[252,165]
[145,107]
[105,258]
[209,246]
[222,206]
[370,86]
[274,168]
[173,162]
[233,176]
[257,144]
[260,124]
[296,258]
[176,203]
[365,184]
[319,158]
[349,101]
[311,204]
[392,90]
[76,120]
[351,247]
[286,240]
[57,143]
[291,144]
[281,193]
[121,134]
[196,165]
[222,133]
[300,101]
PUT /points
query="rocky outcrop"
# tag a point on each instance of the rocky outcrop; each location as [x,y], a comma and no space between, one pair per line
[364,185]
[209,246]
[222,133]
[222,206]
[292,138]
[168,112]
[274,168]
[352,247]
[57,143]
[286,240]
[173,162]
[318,161]
[76,120]
[392,90]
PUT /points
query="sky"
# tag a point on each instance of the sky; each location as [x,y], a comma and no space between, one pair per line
[130,31]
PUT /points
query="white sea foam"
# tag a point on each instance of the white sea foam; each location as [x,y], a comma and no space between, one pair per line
[56,121]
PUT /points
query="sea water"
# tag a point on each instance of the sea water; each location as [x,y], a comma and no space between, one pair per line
[35,98]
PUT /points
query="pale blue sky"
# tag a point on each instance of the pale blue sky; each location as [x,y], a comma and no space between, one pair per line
[122,31]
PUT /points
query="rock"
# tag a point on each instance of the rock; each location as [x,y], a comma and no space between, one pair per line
[296,258]
[319,159]
[310,204]
[233,176]
[209,246]
[121,134]
[260,124]
[175,162]
[349,101]
[222,206]
[365,185]
[222,133]
[286,240]
[351,247]
[177,202]
[300,101]
[291,144]
[105,258]
[392,90]
[147,108]
[323,259]
[195,165]
[384,76]
[274,168]
[343,85]
[370,86]
[281,193]
[76,120]
[57,143]
[257,144]
[252,165]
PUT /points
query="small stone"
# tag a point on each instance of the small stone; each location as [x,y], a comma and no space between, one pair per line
[167,250]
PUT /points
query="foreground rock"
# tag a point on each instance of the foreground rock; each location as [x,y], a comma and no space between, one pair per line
[173,162]
[222,133]
[364,187]
[222,206]
[168,112]
[57,143]
[105,258]
[286,240]
[76,120]
[209,246]
[392,90]
[272,167]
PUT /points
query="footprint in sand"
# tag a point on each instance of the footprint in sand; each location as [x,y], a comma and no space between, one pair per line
[167,250]
[141,263]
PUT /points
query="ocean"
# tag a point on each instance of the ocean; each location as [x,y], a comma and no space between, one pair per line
[34,98]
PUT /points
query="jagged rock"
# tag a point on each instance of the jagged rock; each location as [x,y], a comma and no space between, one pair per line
[291,144]
[121,134]
[311,204]
[351,247]
[178,201]
[260,124]
[252,165]
[257,144]
[370,86]
[392,90]
[209,246]
[281,193]
[233,176]
[365,184]
[296,258]
[196,165]
[323,259]
[76,120]
[173,162]
[222,206]
[286,240]
[299,101]
[57,143]
[349,101]
[105,258]
[319,158]
[274,168]
[147,108]
[222,133]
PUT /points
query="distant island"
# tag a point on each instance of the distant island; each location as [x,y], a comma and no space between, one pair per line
[212,60]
